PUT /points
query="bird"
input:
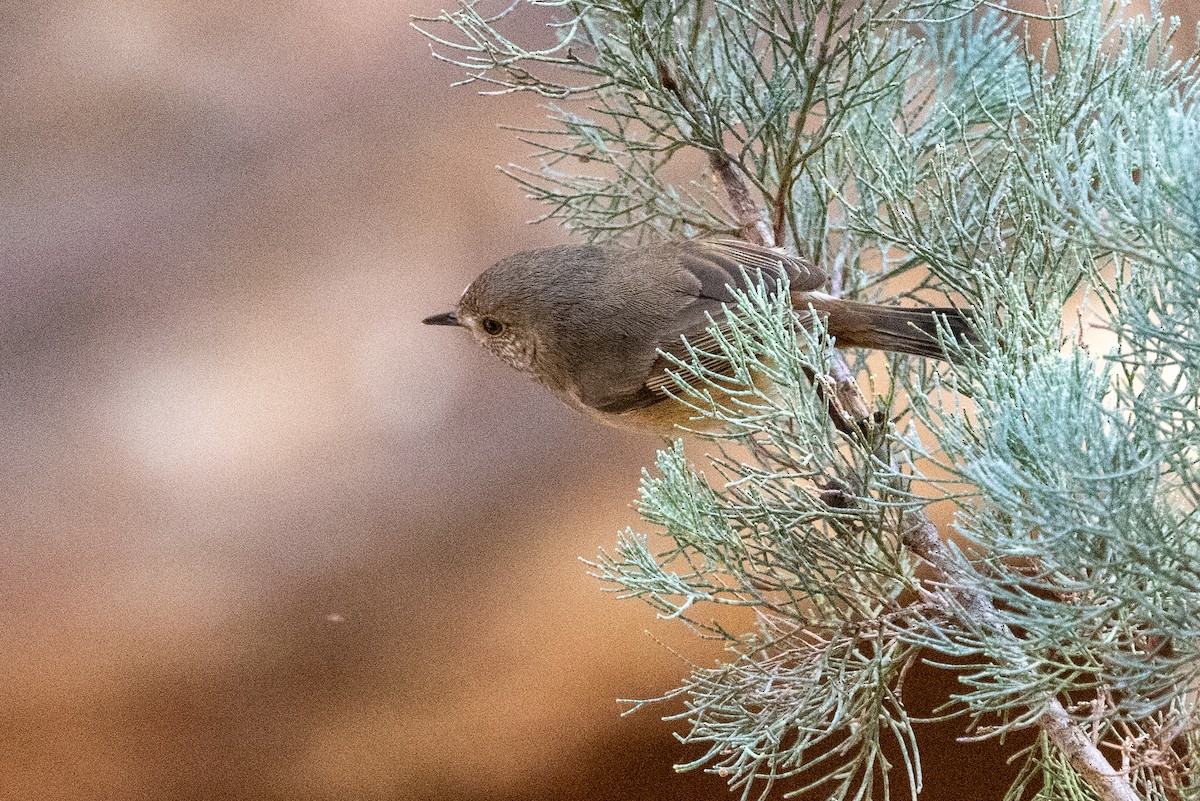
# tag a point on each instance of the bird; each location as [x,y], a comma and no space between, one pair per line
[592,322]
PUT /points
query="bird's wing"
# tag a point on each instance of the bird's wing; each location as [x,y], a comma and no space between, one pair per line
[659,385]
[719,263]
[712,271]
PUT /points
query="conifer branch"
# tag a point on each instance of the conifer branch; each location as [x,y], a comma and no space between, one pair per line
[974,609]
[924,137]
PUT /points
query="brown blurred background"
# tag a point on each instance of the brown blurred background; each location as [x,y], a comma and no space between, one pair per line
[264,535]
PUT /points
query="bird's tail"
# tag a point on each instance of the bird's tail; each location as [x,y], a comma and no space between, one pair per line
[893,328]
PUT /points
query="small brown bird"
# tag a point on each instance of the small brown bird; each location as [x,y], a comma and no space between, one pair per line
[588,321]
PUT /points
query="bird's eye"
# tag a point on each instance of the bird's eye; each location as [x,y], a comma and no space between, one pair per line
[491,327]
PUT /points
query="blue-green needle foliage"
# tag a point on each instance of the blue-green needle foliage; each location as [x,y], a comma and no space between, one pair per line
[944,144]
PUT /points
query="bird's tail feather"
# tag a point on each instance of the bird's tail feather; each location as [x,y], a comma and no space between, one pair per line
[893,328]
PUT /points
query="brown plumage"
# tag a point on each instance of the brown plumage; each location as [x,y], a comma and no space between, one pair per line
[588,321]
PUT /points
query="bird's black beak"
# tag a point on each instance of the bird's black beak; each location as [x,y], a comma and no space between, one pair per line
[445,318]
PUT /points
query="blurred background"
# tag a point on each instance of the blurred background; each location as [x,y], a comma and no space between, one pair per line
[265,536]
